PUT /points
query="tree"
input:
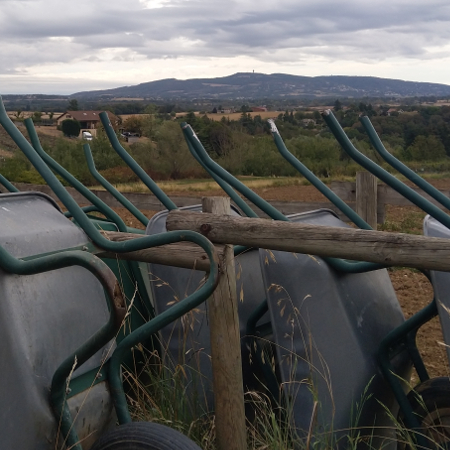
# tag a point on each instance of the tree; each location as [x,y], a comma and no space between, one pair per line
[134,124]
[219,138]
[337,105]
[71,127]
[426,148]
[73,105]
[18,114]
[36,117]
[173,151]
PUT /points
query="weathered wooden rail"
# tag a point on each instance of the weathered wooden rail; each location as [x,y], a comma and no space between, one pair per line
[391,249]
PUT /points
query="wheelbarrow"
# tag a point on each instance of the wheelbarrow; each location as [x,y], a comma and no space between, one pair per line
[160,299]
[200,341]
[53,332]
[186,342]
[290,280]
[405,333]
[55,320]
[425,408]
[275,214]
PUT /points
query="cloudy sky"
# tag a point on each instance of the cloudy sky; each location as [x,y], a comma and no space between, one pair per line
[61,47]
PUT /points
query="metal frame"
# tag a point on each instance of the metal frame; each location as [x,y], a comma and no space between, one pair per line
[110,188]
[338,264]
[400,167]
[382,174]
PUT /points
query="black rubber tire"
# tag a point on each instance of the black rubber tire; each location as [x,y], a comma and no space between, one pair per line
[430,402]
[144,436]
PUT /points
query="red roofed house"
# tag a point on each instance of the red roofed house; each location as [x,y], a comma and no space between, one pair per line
[259,108]
[88,119]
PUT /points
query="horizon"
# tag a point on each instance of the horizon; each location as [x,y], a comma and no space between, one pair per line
[218,77]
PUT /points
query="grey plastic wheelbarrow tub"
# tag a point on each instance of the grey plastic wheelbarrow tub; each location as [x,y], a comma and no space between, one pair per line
[327,327]
[43,319]
[440,280]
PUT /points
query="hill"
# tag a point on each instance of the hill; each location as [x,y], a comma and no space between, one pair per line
[258,86]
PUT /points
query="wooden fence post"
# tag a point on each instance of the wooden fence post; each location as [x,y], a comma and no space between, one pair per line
[226,347]
[366,197]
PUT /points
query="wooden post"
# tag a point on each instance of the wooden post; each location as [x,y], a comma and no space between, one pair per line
[366,197]
[226,347]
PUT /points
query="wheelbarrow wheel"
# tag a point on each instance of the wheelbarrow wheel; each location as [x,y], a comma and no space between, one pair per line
[144,436]
[430,402]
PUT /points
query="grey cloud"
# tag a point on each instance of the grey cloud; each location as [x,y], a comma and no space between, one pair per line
[290,30]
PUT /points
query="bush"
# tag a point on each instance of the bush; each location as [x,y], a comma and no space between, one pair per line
[119,175]
[71,127]
[19,169]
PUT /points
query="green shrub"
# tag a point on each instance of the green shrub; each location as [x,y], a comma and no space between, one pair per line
[71,127]
[19,169]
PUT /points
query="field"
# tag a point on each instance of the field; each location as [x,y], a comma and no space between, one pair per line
[237,115]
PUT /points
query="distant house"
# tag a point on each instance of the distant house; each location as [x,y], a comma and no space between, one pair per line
[88,119]
[307,122]
[394,110]
[259,108]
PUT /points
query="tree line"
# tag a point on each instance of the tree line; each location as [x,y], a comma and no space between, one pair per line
[418,135]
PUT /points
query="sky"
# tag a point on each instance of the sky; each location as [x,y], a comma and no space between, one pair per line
[62,47]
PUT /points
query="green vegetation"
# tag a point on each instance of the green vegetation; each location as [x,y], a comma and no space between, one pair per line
[418,135]
[70,127]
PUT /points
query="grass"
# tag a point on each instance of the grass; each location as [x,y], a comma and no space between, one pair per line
[159,395]
[198,186]
[403,220]
[194,186]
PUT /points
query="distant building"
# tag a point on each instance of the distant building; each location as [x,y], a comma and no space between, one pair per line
[307,122]
[258,108]
[88,119]
[394,110]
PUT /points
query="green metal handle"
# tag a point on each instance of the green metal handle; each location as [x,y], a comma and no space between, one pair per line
[192,138]
[319,185]
[86,209]
[134,166]
[224,186]
[193,300]
[8,185]
[110,188]
[147,330]
[382,174]
[338,264]
[61,171]
[402,168]
[390,341]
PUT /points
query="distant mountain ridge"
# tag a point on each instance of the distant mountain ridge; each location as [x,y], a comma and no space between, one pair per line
[258,85]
